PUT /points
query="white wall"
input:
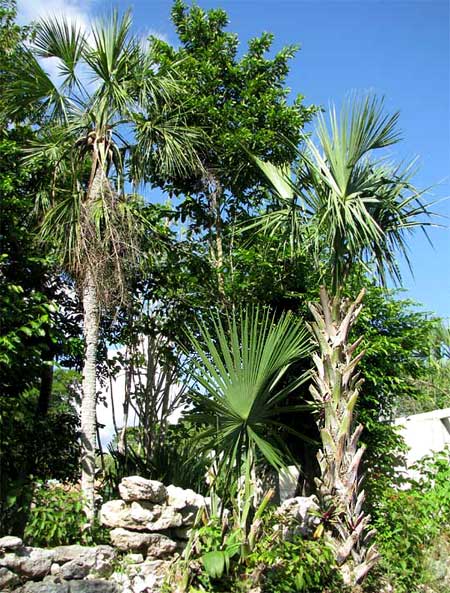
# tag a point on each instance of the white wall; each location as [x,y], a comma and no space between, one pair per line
[425,433]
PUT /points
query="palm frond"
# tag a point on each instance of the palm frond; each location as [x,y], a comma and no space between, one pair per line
[165,144]
[60,39]
[239,366]
[33,91]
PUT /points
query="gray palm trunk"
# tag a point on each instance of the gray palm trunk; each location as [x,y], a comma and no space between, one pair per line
[89,398]
[335,389]
[91,320]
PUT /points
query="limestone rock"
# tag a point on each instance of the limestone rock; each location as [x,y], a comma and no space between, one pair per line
[140,516]
[43,587]
[116,513]
[105,557]
[169,518]
[75,569]
[299,516]
[31,563]
[154,572]
[179,498]
[145,512]
[90,560]
[135,488]
[93,586]
[155,545]
[10,542]
[67,553]
[143,578]
[8,579]
[55,569]
[187,502]
[134,558]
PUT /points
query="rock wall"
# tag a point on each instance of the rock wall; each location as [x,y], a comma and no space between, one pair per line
[150,525]
[55,570]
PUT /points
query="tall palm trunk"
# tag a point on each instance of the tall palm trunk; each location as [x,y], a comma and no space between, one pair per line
[335,389]
[90,332]
[89,399]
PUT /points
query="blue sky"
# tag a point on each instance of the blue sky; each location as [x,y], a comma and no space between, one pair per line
[398,49]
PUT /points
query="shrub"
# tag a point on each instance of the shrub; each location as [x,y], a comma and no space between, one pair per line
[220,561]
[412,524]
[57,518]
[300,566]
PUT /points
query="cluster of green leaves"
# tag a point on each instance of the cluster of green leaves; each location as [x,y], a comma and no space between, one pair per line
[239,102]
[57,518]
[220,560]
[411,523]
[396,344]
[239,366]
[34,331]
[300,565]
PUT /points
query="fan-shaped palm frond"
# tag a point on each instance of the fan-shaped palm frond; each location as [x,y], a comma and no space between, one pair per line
[240,368]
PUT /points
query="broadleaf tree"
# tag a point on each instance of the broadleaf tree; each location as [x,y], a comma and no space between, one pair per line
[241,102]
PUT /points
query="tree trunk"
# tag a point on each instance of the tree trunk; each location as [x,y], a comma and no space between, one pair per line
[214,191]
[89,399]
[335,389]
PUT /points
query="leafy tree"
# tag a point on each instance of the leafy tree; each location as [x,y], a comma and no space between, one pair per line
[37,327]
[88,218]
[241,103]
[433,384]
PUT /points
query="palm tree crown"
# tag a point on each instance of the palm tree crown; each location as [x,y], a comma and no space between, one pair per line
[347,205]
[110,116]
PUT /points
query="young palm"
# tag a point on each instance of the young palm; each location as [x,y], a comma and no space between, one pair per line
[349,209]
[110,114]
[239,368]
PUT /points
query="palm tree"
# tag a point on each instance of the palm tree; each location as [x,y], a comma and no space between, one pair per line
[349,209]
[239,366]
[110,115]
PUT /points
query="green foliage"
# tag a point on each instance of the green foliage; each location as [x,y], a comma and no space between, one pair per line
[396,337]
[300,565]
[57,518]
[411,523]
[176,460]
[38,324]
[238,367]
[347,205]
[220,560]
[238,102]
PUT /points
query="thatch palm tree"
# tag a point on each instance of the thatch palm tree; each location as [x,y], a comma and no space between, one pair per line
[111,114]
[240,368]
[349,209]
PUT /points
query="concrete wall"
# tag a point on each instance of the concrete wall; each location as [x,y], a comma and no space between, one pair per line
[425,433]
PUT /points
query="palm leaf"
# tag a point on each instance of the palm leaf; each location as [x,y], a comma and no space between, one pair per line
[64,41]
[239,365]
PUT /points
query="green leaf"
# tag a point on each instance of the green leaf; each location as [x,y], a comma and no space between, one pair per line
[214,563]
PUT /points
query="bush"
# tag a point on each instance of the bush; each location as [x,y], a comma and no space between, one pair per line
[57,518]
[220,561]
[412,526]
[300,566]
